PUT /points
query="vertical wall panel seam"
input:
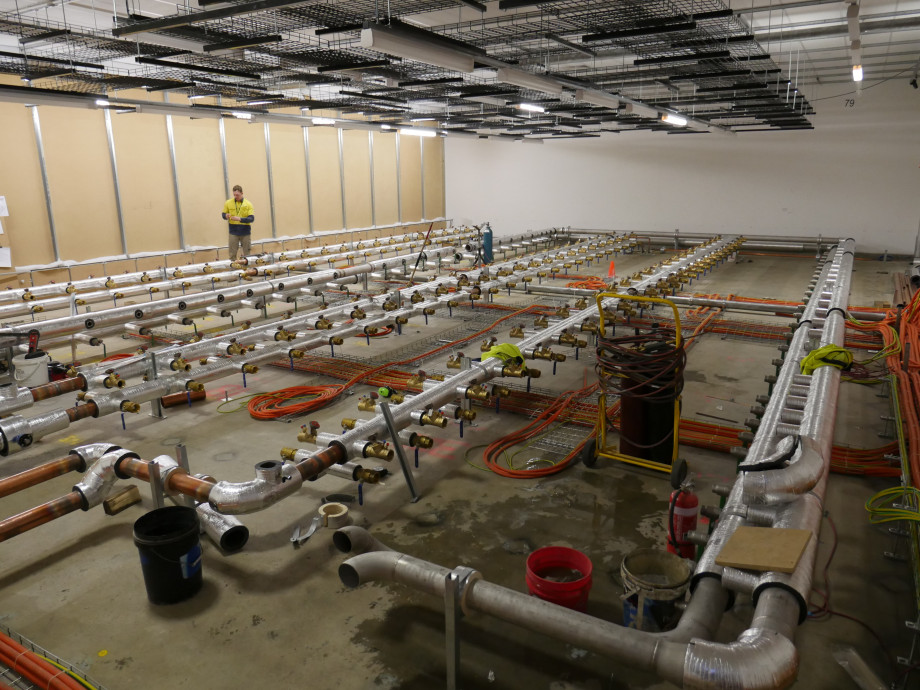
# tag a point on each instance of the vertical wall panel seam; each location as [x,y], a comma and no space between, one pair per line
[44,170]
[271,179]
[110,137]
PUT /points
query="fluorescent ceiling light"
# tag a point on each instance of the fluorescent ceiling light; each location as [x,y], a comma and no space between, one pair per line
[197,96]
[526,80]
[857,73]
[102,102]
[422,119]
[673,119]
[599,98]
[323,121]
[404,45]
[241,116]
[418,131]
[261,102]
[530,107]
[386,126]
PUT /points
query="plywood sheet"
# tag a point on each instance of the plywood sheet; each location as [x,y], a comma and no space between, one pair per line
[27,232]
[764,548]
[148,201]
[386,205]
[356,147]
[433,155]
[325,182]
[289,172]
[201,181]
[410,177]
[82,188]
[248,168]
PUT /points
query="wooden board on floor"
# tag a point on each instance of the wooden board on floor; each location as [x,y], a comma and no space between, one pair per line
[764,548]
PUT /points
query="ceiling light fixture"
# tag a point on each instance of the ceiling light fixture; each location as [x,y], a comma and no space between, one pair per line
[323,121]
[526,80]
[418,132]
[531,107]
[857,73]
[409,46]
[241,116]
[102,102]
[674,119]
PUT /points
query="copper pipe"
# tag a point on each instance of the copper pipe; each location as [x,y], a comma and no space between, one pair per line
[321,460]
[39,515]
[82,411]
[183,398]
[50,390]
[178,481]
[42,473]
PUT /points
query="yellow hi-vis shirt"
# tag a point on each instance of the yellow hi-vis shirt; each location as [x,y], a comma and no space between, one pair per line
[243,209]
[505,352]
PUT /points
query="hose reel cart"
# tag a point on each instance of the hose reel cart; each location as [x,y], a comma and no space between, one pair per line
[645,370]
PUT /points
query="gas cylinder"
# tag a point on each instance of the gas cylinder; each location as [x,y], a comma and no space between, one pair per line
[683,508]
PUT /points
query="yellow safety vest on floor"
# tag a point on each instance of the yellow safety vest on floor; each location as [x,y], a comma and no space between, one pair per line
[829,355]
[505,352]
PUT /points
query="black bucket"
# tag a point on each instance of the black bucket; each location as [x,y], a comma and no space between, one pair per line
[167,539]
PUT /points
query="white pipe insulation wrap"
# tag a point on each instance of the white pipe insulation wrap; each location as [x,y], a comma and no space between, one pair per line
[224,530]
[98,479]
[273,481]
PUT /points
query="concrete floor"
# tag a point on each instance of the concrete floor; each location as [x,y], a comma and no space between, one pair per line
[273,616]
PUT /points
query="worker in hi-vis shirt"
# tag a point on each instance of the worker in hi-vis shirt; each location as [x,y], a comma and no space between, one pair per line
[238,211]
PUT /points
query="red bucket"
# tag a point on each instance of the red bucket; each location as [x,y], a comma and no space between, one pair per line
[560,575]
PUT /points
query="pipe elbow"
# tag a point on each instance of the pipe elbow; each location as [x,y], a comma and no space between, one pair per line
[274,481]
[759,659]
[99,478]
[93,451]
[374,566]
[784,485]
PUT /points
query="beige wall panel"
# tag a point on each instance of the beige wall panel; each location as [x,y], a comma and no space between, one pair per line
[385,201]
[325,181]
[289,173]
[80,176]
[27,232]
[357,153]
[248,168]
[410,178]
[201,181]
[433,154]
[150,263]
[145,177]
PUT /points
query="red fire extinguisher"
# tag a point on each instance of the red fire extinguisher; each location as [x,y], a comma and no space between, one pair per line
[683,508]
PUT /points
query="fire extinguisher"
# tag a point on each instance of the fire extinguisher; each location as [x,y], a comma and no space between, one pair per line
[683,508]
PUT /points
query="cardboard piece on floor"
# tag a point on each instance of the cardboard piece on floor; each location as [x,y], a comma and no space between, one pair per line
[764,548]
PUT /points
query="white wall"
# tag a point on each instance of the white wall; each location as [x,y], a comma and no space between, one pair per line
[855,175]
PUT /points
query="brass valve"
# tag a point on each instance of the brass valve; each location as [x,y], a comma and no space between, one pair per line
[452,303]
[377,449]
[624,282]
[390,306]
[323,324]
[562,312]
[426,441]
[336,340]
[517,331]
[527,279]
[119,295]
[455,362]
[540,322]
[417,379]
[113,380]
[566,338]
[534,263]
[83,395]
[282,257]
[236,265]
[501,391]
[518,371]
[579,262]
[323,251]
[130,406]
[37,309]
[428,311]
[368,403]
[542,274]
[194,386]
[370,330]
[70,289]
[207,269]
[358,313]
[589,326]
[250,369]
[260,261]
[479,392]
[308,433]
[440,290]
[402,320]
[234,348]
[547,354]
[282,334]
[360,245]
[27,296]
[463,281]
[503,272]
[416,298]
[434,418]
[180,364]
[487,345]
[110,283]
[567,264]
[348,423]
[581,303]
[296,354]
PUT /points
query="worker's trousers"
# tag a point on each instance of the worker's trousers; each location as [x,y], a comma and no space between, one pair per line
[236,241]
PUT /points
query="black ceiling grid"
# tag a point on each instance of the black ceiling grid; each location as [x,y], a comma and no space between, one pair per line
[695,57]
